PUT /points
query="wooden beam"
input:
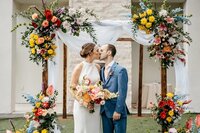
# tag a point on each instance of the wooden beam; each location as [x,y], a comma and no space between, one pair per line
[125,39]
[45,77]
[65,81]
[163,88]
[140,81]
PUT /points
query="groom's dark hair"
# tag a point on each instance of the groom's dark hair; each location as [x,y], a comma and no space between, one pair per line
[112,49]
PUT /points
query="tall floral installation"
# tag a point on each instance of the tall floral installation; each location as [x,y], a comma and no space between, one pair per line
[167,26]
[39,38]
[39,35]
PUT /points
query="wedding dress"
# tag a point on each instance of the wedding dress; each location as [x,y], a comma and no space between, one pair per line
[85,122]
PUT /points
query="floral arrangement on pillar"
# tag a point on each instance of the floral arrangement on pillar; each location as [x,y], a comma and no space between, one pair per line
[167,26]
[40,30]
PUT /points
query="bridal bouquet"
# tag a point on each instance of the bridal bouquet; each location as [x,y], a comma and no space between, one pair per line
[87,93]
[42,119]
[167,111]
[40,30]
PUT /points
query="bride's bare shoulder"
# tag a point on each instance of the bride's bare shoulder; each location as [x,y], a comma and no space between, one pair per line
[98,66]
[78,67]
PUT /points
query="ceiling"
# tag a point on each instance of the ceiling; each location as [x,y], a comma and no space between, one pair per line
[35,2]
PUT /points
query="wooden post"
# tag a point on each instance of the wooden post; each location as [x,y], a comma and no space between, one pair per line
[45,77]
[140,81]
[163,82]
[65,81]
[163,88]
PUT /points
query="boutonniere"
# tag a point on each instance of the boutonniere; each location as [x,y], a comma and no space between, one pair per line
[111,73]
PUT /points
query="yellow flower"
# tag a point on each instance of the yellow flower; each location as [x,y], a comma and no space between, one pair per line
[36,37]
[37,104]
[135,16]
[151,19]
[32,35]
[142,14]
[32,44]
[44,131]
[41,97]
[50,51]
[53,47]
[180,103]
[149,11]
[31,41]
[34,110]
[148,25]
[169,119]
[36,131]
[143,21]
[17,131]
[141,27]
[170,95]
[171,112]
[33,50]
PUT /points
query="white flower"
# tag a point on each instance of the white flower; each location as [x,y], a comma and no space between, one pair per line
[171,40]
[102,102]
[50,111]
[44,112]
[172,130]
[72,11]
[66,25]
[36,124]
[45,99]
[82,10]
[163,13]
[80,21]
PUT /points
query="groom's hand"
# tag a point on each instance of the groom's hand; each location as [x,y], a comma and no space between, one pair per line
[116,116]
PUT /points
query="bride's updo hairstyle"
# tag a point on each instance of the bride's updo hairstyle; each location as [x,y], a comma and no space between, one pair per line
[87,49]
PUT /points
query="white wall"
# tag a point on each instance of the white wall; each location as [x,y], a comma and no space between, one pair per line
[6,51]
[192,7]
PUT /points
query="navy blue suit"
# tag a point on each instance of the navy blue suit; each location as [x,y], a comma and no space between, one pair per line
[117,81]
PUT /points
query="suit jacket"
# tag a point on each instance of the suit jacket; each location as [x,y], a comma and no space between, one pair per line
[117,81]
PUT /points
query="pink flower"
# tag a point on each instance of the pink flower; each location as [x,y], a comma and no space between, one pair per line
[50,90]
[169,19]
[40,40]
[45,23]
[157,40]
[8,131]
[172,130]
[162,27]
[54,19]
[197,121]
[189,124]
[34,16]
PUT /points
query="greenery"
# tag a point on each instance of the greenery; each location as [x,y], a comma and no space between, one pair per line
[145,124]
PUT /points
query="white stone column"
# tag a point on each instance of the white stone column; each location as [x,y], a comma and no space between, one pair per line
[192,7]
[6,47]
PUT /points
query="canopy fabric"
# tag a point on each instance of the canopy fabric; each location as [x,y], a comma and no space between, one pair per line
[107,32]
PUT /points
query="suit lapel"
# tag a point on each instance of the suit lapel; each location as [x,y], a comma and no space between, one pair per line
[110,73]
[102,75]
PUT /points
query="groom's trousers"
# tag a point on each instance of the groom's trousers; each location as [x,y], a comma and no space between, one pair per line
[111,126]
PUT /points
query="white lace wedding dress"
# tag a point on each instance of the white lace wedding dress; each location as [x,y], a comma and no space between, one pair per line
[85,122]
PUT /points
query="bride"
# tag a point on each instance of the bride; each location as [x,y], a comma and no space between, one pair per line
[85,122]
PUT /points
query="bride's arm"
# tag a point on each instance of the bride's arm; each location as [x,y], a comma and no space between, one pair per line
[74,82]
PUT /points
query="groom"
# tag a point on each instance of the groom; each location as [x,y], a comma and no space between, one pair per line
[115,79]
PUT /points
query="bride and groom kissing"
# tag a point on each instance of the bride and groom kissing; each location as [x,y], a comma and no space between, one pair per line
[112,116]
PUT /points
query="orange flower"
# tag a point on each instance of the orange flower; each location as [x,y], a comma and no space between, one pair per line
[50,90]
[45,23]
[197,121]
[86,97]
[40,40]
[167,49]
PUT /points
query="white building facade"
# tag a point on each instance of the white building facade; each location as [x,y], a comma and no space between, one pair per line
[19,76]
